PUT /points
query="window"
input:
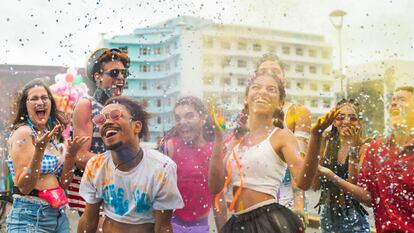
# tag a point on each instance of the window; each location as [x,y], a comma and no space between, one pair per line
[208,80]
[157,51]
[299,85]
[241,46]
[241,82]
[144,68]
[313,86]
[124,49]
[312,69]
[158,103]
[299,51]
[257,47]
[286,50]
[299,68]
[226,81]
[225,45]
[208,42]
[157,68]
[326,69]
[326,103]
[167,66]
[144,51]
[286,67]
[144,85]
[158,120]
[326,87]
[241,63]
[272,49]
[312,53]
[225,62]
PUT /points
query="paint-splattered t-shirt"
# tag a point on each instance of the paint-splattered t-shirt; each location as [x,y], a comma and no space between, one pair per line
[130,197]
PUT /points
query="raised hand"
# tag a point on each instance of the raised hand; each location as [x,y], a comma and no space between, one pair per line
[323,122]
[218,119]
[75,145]
[42,142]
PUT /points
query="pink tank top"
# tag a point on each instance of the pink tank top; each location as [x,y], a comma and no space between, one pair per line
[192,178]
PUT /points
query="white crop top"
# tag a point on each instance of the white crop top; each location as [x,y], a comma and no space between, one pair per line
[262,168]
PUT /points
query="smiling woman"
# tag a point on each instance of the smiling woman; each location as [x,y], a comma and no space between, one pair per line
[36,163]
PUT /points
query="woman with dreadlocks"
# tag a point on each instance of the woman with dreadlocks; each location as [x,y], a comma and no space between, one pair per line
[342,151]
[256,164]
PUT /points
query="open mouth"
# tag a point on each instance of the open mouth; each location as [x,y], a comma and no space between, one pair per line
[109,132]
[41,113]
[117,89]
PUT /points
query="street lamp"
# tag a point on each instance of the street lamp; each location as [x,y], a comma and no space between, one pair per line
[337,17]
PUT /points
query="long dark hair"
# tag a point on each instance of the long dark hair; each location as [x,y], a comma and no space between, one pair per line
[241,128]
[207,129]
[21,115]
[330,192]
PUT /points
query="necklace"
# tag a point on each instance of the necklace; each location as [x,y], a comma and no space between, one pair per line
[129,160]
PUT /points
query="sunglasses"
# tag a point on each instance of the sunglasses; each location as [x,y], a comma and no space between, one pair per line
[101,118]
[114,73]
[342,117]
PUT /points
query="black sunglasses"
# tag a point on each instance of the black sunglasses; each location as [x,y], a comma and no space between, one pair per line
[114,73]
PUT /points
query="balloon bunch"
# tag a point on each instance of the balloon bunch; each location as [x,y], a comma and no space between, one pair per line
[67,90]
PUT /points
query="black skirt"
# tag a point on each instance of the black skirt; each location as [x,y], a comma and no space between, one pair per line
[272,218]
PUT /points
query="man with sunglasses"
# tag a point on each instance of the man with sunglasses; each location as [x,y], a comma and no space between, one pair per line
[137,187]
[386,179]
[107,69]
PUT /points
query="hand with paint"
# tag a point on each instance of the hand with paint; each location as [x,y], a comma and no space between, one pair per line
[323,122]
[75,145]
[41,143]
[217,116]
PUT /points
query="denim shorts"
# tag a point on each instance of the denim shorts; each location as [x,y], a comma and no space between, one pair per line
[30,214]
[354,222]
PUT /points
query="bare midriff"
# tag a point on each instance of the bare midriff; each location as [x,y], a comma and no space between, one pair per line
[112,226]
[249,198]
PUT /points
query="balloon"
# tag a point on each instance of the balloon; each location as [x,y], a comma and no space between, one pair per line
[69,78]
[78,80]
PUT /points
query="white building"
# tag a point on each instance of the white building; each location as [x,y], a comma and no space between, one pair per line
[191,56]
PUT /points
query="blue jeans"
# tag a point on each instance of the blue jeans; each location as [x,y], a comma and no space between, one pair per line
[34,215]
[354,222]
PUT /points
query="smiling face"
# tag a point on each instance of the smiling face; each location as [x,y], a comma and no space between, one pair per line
[114,84]
[263,95]
[346,118]
[402,110]
[38,105]
[189,123]
[119,129]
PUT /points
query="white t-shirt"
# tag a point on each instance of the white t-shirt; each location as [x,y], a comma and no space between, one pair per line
[130,197]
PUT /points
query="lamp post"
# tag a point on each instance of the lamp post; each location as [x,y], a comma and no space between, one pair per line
[337,17]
